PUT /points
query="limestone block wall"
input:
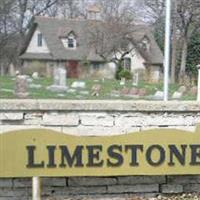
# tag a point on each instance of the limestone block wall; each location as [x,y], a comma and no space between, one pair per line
[98,118]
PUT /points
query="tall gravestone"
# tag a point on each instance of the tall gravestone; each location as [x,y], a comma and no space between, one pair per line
[60,80]
[135,79]
[21,87]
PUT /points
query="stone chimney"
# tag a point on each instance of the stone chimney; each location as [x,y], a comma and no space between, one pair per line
[94,12]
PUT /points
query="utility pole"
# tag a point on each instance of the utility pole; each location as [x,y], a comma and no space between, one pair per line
[167,49]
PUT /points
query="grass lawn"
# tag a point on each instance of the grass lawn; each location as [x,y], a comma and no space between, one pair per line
[7,85]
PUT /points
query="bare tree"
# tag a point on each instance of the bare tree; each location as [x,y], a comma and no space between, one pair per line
[153,10]
[112,37]
[15,18]
[6,31]
[189,16]
[24,10]
[174,41]
[185,20]
[70,8]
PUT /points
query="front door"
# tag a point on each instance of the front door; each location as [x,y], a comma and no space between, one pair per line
[72,69]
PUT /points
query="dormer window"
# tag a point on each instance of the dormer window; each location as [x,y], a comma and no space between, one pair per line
[69,42]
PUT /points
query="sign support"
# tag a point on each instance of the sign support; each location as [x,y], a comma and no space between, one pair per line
[36,188]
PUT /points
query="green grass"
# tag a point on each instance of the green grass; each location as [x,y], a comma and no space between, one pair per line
[7,85]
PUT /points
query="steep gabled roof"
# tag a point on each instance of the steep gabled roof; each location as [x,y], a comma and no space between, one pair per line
[53,29]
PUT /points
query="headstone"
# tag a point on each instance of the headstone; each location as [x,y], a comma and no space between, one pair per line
[78,84]
[115,93]
[21,87]
[134,91]
[35,86]
[123,82]
[60,95]
[84,92]
[135,79]
[60,78]
[71,91]
[96,90]
[177,95]
[17,73]
[159,95]
[35,75]
[29,80]
[193,91]
[142,92]
[182,89]
[124,91]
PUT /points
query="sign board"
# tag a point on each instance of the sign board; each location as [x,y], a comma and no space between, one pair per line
[46,153]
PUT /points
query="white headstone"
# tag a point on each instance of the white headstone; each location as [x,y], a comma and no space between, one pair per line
[35,75]
[78,84]
[135,79]
[123,81]
[62,77]
[177,95]
[158,95]
[60,80]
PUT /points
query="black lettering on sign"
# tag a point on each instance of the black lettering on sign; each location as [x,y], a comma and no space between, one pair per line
[180,156]
[31,158]
[149,153]
[195,151]
[72,159]
[51,155]
[134,153]
[114,152]
[94,156]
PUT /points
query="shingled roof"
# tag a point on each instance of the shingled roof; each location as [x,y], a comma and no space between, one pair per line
[53,29]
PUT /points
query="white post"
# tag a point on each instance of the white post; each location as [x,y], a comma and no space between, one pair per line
[198,87]
[167,49]
[36,188]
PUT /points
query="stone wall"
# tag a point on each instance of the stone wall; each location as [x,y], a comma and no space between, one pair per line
[98,118]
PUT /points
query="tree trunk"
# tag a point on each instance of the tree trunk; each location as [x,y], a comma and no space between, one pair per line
[174,55]
[174,44]
[184,57]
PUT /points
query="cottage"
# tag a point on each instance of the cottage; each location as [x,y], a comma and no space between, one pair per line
[53,42]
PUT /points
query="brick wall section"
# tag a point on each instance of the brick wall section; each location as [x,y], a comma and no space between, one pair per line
[98,118]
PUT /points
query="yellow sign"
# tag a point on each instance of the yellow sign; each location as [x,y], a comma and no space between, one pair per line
[46,153]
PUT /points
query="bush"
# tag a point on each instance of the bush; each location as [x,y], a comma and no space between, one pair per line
[125,74]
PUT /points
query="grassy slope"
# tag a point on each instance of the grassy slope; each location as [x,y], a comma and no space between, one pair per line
[107,87]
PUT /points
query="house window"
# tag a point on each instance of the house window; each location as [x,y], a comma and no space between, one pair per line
[96,66]
[39,40]
[126,63]
[71,43]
